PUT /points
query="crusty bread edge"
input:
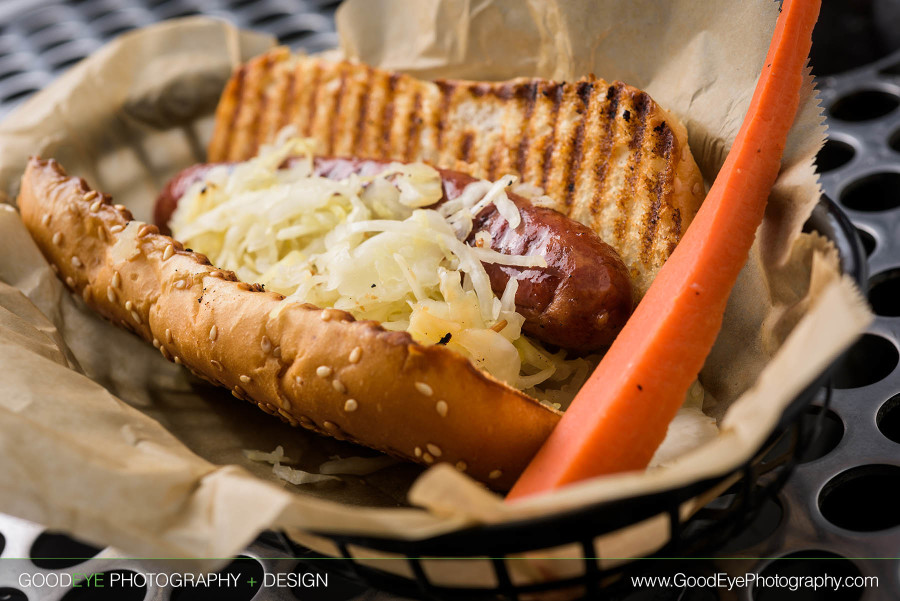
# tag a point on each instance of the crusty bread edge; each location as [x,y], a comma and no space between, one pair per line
[317,368]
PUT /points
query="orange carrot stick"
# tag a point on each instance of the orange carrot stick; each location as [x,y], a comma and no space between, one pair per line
[621,415]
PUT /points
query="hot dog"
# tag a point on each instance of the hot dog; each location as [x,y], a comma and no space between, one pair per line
[579,301]
[311,367]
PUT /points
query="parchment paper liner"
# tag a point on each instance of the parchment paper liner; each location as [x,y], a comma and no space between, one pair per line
[161,474]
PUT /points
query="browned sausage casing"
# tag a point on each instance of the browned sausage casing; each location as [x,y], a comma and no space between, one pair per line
[579,301]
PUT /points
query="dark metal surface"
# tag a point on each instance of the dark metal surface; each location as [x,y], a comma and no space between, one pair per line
[845,501]
[839,499]
[39,39]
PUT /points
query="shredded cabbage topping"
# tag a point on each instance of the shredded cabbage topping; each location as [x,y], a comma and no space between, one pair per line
[370,246]
[283,472]
[275,457]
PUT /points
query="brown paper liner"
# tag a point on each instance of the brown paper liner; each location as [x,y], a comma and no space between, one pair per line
[101,437]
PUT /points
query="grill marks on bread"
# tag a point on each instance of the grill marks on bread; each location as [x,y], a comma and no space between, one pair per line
[606,154]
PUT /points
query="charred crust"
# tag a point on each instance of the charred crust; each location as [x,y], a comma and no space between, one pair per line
[643,105]
[613,95]
[665,139]
[584,90]
[480,90]
[506,91]
[528,91]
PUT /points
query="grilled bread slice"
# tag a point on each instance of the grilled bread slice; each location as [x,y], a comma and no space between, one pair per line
[606,154]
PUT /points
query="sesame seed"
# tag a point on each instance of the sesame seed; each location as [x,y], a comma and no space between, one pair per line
[424,388]
[70,282]
[163,351]
[298,380]
[417,452]
[145,229]
[325,315]
[266,344]
[286,403]
[213,333]
[277,352]
[178,361]
[76,262]
[136,317]
[428,458]
[330,426]
[129,305]
[286,415]
[245,286]
[95,206]
[86,293]
[245,379]
[116,280]
[119,207]
[339,386]
[180,284]
[45,219]
[90,196]
[442,408]
[169,338]
[461,466]
[215,274]
[355,355]
[434,449]
[156,343]
[495,474]
[116,229]
[323,371]
[237,392]
[168,252]
[57,238]
[216,364]
[350,405]
[111,294]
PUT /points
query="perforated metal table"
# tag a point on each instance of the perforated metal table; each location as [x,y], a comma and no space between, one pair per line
[841,502]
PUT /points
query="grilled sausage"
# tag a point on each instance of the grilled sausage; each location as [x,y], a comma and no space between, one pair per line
[579,301]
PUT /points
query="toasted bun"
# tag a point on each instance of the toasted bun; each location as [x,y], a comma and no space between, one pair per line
[311,367]
[605,153]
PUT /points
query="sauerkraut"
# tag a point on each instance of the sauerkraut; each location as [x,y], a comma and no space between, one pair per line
[370,246]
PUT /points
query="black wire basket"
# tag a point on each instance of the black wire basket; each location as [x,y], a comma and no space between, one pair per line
[757,479]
